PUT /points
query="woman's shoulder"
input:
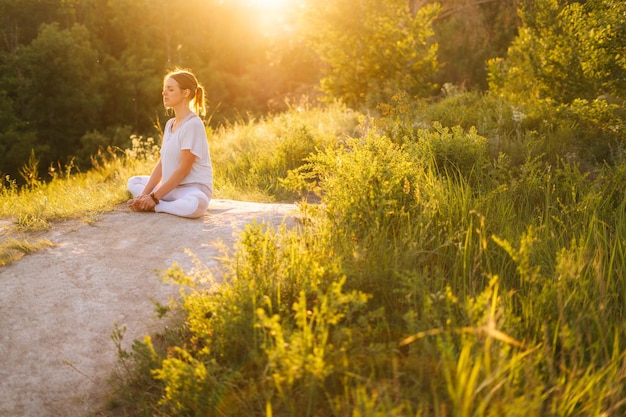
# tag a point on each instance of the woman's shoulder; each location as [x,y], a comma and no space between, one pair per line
[194,123]
[195,119]
[193,128]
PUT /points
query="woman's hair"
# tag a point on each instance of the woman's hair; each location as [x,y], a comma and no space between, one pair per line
[187,81]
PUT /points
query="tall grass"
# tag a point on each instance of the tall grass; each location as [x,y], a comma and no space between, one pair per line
[432,279]
[447,270]
[69,194]
[251,158]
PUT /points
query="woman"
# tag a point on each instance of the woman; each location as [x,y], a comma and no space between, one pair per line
[181,183]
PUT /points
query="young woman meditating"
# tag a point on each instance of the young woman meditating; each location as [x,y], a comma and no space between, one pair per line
[181,183]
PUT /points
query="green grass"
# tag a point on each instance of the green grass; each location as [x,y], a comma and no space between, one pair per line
[250,159]
[431,280]
[439,275]
[70,195]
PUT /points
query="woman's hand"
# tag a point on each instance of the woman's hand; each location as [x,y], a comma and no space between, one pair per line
[142,203]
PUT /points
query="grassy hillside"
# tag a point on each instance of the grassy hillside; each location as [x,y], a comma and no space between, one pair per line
[456,265]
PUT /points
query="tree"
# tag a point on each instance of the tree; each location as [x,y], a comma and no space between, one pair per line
[20,20]
[372,50]
[60,76]
[567,69]
[469,33]
[16,140]
[565,50]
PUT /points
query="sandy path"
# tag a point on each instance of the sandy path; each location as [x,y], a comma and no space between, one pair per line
[58,307]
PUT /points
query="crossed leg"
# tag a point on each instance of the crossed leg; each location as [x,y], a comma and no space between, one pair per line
[186,201]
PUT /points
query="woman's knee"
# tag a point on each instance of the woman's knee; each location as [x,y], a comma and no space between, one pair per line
[201,203]
[191,205]
[135,185]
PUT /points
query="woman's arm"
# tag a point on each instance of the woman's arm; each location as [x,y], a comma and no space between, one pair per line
[144,201]
[155,177]
[186,163]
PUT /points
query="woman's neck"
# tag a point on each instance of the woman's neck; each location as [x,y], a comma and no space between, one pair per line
[181,112]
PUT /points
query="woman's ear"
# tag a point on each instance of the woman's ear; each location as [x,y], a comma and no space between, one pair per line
[187,92]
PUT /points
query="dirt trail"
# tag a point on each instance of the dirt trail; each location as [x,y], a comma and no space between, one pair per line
[58,307]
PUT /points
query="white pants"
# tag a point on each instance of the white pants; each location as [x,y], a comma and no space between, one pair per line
[184,201]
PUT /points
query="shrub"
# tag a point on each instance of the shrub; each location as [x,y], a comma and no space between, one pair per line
[413,288]
[251,159]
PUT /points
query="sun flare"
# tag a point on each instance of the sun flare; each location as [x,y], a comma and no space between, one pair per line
[273,15]
[269,5]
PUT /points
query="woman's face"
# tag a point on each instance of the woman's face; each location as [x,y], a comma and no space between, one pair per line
[173,96]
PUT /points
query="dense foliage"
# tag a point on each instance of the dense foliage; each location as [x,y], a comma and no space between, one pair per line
[77,76]
[567,69]
[431,280]
[373,49]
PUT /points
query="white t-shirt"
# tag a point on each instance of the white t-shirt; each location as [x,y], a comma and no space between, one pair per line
[192,136]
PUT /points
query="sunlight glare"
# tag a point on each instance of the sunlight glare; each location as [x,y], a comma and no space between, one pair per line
[272,15]
[268,4]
